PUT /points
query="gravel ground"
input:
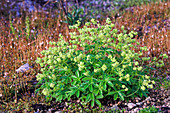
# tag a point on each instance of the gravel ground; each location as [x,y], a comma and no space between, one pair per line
[159,98]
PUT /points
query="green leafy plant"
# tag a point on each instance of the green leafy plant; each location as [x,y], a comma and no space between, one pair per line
[105,65]
[11,26]
[74,16]
[151,109]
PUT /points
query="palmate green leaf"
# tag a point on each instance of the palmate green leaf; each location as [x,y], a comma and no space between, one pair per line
[98,102]
[96,85]
[92,103]
[98,65]
[96,91]
[82,89]
[91,88]
[94,79]
[121,96]
[47,98]
[124,82]
[112,92]
[77,73]
[74,77]
[86,86]
[65,96]
[69,79]
[140,94]
[86,78]
[99,96]
[88,97]
[92,96]
[110,83]
[112,79]
[129,82]
[60,97]
[72,92]
[100,92]
[78,94]
[104,85]
[61,69]
[73,83]
[115,96]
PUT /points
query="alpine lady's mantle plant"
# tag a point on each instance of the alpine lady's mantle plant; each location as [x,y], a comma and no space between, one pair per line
[106,66]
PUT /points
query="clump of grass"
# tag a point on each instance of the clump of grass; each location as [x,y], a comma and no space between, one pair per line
[150,109]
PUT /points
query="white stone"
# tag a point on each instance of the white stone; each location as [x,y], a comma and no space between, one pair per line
[131,105]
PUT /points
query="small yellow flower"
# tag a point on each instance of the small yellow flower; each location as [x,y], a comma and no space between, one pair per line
[134,68]
[110,56]
[139,68]
[127,75]
[69,55]
[80,69]
[147,77]
[95,70]
[88,57]
[127,79]
[124,66]
[150,86]
[130,64]
[59,60]
[53,76]
[153,82]
[136,63]
[104,67]
[52,85]
[126,89]
[120,79]
[143,87]
[45,91]
[113,60]
[86,73]
[123,86]
[65,68]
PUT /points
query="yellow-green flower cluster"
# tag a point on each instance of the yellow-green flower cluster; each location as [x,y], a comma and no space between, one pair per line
[52,85]
[81,66]
[40,76]
[124,87]
[147,83]
[104,67]
[126,77]
[45,91]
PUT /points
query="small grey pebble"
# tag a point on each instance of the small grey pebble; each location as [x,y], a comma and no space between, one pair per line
[114,107]
[58,112]
[139,103]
